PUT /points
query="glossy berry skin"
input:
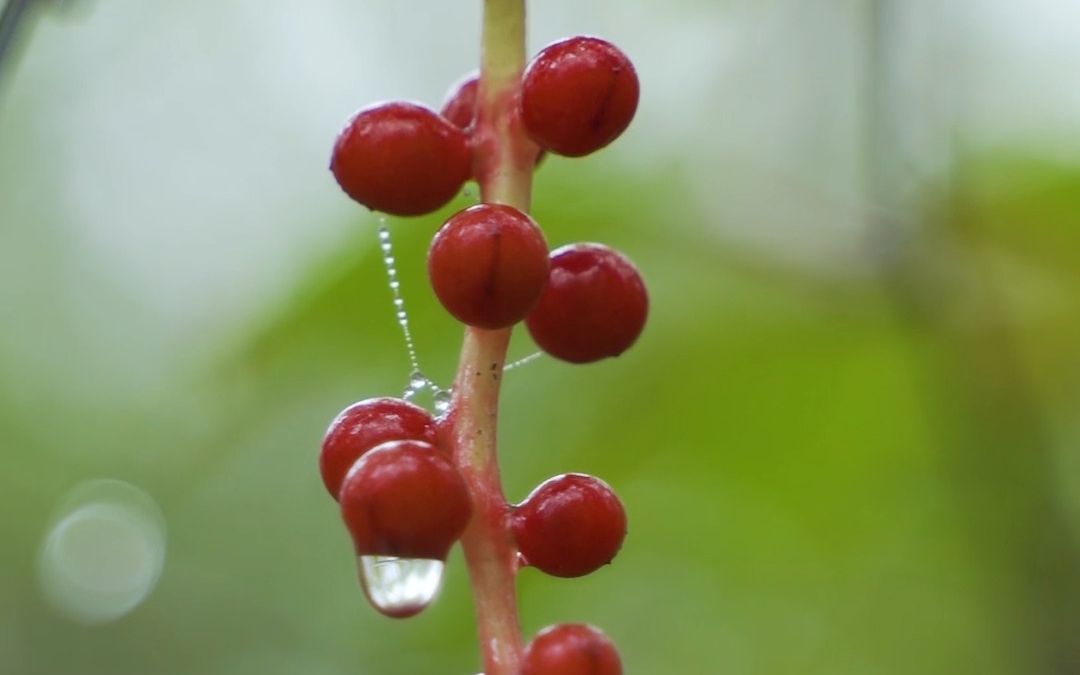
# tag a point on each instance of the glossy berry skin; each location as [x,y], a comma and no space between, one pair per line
[364,425]
[594,305]
[488,265]
[578,95]
[571,649]
[401,158]
[404,499]
[459,108]
[570,525]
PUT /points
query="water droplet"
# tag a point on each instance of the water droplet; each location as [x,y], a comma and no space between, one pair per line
[400,587]
[522,361]
[395,292]
[442,401]
[417,380]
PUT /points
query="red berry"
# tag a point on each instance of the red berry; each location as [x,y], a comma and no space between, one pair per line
[405,499]
[361,427]
[460,104]
[571,649]
[578,95]
[488,264]
[401,158]
[594,305]
[570,525]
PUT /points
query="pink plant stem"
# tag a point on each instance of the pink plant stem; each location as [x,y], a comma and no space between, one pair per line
[503,163]
[490,551]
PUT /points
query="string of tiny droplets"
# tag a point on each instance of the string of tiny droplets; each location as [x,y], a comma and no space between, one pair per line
[418,381]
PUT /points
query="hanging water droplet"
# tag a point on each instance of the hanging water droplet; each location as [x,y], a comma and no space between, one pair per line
[399,303]
[402,317]
[442,401]
[417,380]
[400,587]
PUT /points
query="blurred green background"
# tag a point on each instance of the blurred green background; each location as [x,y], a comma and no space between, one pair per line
[848,441]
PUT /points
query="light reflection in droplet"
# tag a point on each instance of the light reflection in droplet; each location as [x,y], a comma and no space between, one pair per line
[400,587]
[443,399]
[103,553]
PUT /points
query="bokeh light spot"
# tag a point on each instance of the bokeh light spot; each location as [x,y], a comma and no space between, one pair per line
[103,553]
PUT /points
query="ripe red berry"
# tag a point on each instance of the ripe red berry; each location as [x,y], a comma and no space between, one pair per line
[361,427]
[578,95]
[405,499]
[570,525]
[401,158]
[488,265]
[460,104]
[571,649]
[594,305]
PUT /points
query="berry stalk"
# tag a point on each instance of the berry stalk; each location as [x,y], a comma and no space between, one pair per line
[503,163]
[488,542]
[404,495]
[503,153]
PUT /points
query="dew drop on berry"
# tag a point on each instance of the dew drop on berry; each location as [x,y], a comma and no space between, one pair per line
[442,401]
[400,587]
[417,380]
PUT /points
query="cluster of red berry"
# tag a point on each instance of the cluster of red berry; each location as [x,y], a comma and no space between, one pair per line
[400,494]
